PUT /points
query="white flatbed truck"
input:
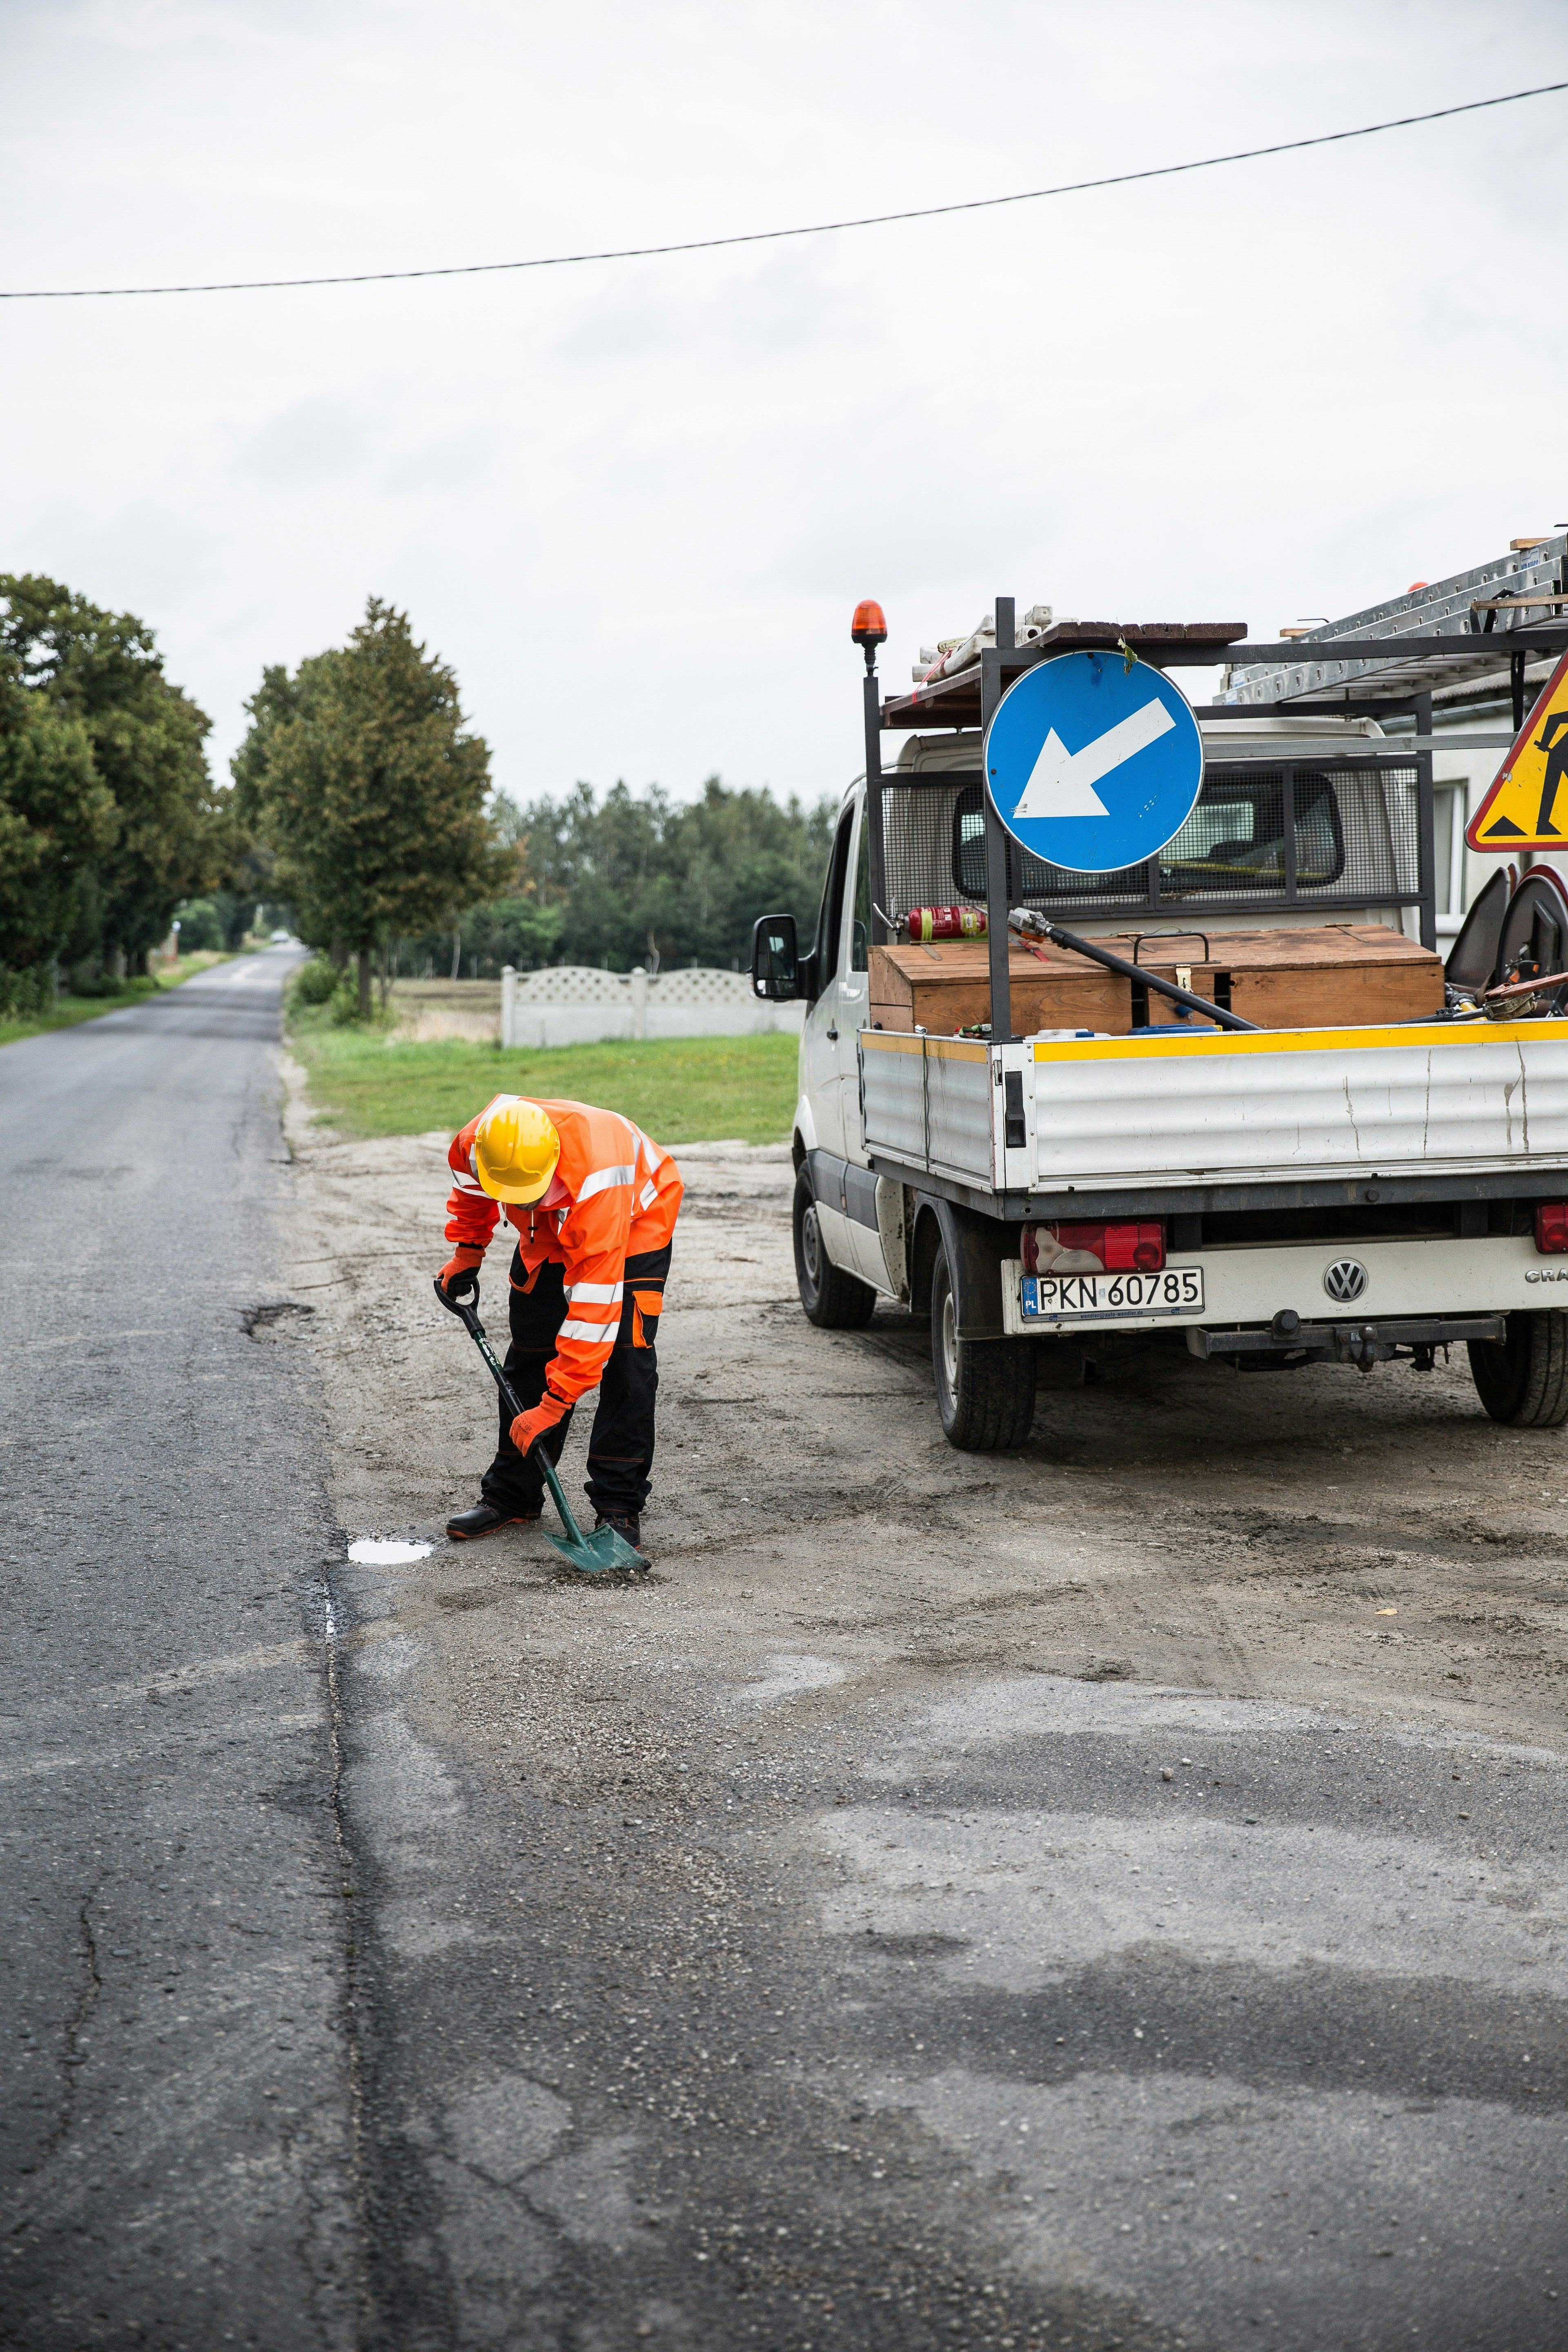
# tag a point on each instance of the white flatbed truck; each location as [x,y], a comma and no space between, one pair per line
[1276,1198]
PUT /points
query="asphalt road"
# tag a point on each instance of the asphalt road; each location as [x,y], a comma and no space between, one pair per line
[177,2109]
[828,1941]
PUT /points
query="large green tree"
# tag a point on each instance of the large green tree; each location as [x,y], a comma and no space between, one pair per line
[145,830]
[360,773]
[56,816]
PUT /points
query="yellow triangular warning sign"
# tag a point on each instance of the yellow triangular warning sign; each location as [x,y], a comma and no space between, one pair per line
[1527,807]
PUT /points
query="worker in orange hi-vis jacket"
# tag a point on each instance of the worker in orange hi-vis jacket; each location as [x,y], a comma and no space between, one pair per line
[593,1205]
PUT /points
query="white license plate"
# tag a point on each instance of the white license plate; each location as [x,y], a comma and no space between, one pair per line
[1072,1297]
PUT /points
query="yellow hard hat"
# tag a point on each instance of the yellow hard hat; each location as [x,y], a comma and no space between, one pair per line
[515,1150]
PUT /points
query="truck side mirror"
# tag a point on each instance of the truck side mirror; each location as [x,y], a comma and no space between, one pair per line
[775,960]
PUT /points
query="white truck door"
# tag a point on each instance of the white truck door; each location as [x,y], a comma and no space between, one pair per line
[823,1036]
[854,1011]
[820,1042]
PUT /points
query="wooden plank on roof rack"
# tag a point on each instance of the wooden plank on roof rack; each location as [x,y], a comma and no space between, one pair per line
[955,701]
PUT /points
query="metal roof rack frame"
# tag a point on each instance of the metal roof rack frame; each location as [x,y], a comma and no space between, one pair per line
[1363,672]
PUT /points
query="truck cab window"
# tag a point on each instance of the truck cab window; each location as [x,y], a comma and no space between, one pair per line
[830,921]
[860,933]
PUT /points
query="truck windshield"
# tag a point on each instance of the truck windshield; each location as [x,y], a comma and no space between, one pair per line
[1234,844]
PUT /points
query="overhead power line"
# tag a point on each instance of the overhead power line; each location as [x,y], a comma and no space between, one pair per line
[776,236]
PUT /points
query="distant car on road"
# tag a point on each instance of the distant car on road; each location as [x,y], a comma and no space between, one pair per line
[281,939]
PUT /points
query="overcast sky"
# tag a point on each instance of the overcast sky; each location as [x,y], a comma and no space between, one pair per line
[634,503]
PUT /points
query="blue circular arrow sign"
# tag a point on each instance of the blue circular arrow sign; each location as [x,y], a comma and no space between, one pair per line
[1092,765]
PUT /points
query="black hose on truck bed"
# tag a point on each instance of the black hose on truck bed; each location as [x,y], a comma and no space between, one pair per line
[1027,923]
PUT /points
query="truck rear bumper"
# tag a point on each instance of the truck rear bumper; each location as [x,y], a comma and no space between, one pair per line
[1253,1285]
[1344,1343]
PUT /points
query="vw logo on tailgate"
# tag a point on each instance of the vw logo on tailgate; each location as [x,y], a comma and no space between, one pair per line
[1345,1279]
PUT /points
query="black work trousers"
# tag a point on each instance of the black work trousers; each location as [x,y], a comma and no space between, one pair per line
[620,1449]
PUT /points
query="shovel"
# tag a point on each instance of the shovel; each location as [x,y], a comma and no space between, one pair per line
[591,1555]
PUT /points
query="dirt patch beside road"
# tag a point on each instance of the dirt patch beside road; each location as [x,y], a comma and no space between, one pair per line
[1363,1542]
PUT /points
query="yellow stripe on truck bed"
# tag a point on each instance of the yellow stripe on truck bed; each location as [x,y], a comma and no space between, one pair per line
[1205,1043]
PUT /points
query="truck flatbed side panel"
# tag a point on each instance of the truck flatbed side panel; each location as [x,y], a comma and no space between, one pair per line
[1158,1110]
[929,1101]
[959,1088]
[893,1094]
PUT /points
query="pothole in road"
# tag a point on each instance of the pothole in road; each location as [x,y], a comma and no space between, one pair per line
[273,1321]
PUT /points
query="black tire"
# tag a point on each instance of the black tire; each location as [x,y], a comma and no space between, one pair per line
[985,1387]
[1524,1383]
[832,1300]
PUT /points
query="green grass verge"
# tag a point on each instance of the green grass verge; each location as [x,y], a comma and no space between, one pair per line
[698,1090]
[68,1011]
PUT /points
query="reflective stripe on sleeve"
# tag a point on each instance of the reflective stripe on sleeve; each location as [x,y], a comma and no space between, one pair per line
[573,1329]
[605,1180]
[597,1293]
[649,1194]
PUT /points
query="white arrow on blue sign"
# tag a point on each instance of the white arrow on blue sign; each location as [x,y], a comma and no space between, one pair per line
[1092,765]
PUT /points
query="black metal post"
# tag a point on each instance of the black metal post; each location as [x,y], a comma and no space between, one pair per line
[1426,846]
[880,932]
[1516,684]
[1288,814]
[996,839]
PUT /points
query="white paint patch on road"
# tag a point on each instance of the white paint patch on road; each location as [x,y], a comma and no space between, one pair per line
[587,2194]
[1035,1895]
[496,2255]
[385,1551]
[389,1660]
[416,1929]
[508,2126]
[1033,1707]
[791,1673]
[399,1789]
[1201,2199]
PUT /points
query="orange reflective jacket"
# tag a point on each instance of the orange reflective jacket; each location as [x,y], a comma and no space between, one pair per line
[623,1194]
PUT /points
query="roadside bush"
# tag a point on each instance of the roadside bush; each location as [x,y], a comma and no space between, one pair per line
[23,993]
[343,1004]
[317,981]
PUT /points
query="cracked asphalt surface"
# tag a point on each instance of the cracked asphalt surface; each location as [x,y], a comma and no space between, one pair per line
[1109,1895]
[177,2109]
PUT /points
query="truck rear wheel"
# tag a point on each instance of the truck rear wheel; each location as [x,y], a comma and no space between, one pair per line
[1524,1383]
[832,1300]
[985,1387]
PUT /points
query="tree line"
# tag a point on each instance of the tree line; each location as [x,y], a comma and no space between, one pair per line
[107,817]
[361,802]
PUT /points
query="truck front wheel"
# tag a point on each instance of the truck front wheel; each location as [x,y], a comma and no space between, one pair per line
[832,1300]
[985,1387]
[1524,1381]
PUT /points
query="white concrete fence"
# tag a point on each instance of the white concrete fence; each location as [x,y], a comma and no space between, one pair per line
[572,1004]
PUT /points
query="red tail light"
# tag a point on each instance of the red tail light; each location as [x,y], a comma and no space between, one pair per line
[1551,1229]
[1120,1249]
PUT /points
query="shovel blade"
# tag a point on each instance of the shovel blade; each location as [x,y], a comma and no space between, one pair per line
[592,1555]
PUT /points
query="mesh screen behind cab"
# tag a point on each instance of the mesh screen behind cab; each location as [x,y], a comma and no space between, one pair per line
[1354,834]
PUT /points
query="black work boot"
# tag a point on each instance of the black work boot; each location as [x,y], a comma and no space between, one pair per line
[484,1519]
[624,1523]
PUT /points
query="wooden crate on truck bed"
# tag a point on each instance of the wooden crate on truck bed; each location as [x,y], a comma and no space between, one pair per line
[1349,975]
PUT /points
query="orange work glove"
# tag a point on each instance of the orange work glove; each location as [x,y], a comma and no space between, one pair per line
[459,1277]
[530,1426]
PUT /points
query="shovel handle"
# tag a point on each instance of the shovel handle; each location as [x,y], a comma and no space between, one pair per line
[468,1318]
